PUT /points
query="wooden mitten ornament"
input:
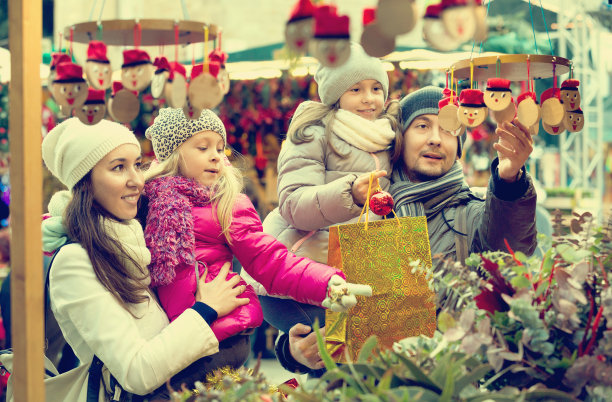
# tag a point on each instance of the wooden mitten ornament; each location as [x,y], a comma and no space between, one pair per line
[330,43]
[162,72]
[372,40]
[397,16]
[219,56]
[472,109]
[123,106]
[97,68]
[570,97]
[204,90]
[94,108]
[136,70]
[508,114]
[574,121]
[528,109]
[175,89]
[551,107]
[56,58]
[554,130]
[69,86]
[434,31]
[447,116]
[459,19]
[298,29]
[497,95]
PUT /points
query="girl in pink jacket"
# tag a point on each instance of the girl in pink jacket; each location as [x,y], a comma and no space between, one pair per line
[198,220]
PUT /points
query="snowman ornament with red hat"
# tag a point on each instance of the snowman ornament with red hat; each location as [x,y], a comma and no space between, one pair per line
[136,70]
[528,113]
[56,58]
[570,97]
[330,43]
[220,57]
[97,67]
[574,120]
[447,113]
[552,111]
[459,18]
[158,81]
[434,31]
[298,29]
[204,90]
[69,87]
[175,88]
[472,110]
[94,108]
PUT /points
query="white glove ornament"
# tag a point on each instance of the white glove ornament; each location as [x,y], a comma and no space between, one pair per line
[341,295]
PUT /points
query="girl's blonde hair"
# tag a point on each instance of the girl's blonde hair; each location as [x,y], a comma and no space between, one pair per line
[223,193]
[315,113]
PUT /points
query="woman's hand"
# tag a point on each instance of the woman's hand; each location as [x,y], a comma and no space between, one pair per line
[359,191]
[304,349]
[221,294]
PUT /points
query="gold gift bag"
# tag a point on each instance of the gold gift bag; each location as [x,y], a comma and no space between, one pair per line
[402,304]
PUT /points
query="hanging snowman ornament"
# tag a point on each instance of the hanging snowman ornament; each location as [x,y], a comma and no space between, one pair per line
[56,58]
[552,109]
[298,29]
[220,57]
[330,43]
[69,87]
[175,89]
[136,70]
[434,31]
[528,109]
[459,19]
[570,97]
[123,106]
[472,110]
[508,114]
[398,17]
[372,40]
[497,95]
[574,120]
[204,90]
[94,108]
[162,72]
[97,67]
[447,114]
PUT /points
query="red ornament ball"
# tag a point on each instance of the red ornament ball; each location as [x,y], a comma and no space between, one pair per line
[381,203]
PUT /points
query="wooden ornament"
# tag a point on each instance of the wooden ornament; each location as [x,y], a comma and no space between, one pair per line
[375,43]
[570,97]
[482,31]
[224,80]
[471,116]
[175,91]
[498,101]
[91,114]
[508,114]
[552,109]
[534,130]
[553,129]
[99,75]
[69,95]
[331,52]
[528,113]
[138,77]
[158,83]
[447,118]
[124,106]
[460,22]
[399,17]
[298,34]
[191,112]
[434,31]
[574,121]
[204,92]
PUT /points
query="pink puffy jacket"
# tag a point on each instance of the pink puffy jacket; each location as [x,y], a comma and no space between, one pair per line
[267,260]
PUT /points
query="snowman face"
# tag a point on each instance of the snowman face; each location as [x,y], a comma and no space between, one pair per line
[331,52]
[190,111]
[70,94]
[570,99]
[497,100]
[297,35]
[436,35]
[447,119]
[137,78]
[98,74]
[460,22]
[574,122]
[552,111]
[91,114]
[158,82]
[528,112]
[471,116]
[553,130]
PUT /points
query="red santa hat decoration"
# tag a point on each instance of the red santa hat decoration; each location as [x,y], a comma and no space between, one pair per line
[472,110]
[330,43]
[136,70]
[298,29]
[94,108]
[97,67]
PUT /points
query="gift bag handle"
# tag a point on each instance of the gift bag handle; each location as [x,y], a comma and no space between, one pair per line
[366,206]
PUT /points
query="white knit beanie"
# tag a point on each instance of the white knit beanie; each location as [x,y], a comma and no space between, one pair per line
[72,149]
[333,82]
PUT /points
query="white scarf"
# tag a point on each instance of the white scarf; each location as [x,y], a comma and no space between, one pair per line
[367,135]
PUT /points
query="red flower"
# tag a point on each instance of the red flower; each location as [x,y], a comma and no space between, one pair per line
[490,299]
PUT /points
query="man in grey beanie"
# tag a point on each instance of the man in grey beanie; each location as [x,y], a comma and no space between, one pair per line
[428,181]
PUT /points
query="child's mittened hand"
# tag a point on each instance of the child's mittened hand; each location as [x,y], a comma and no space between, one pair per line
[221,294]
[359,191]
[341,295]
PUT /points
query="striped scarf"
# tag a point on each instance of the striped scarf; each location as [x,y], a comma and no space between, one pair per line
[430,197]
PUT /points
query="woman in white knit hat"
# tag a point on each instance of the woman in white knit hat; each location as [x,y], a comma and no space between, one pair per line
[323,175]
[99,282]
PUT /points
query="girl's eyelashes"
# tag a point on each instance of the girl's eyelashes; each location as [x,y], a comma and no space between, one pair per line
[118,167]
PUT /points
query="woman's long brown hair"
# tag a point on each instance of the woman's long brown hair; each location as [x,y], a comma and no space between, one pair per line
[84,226]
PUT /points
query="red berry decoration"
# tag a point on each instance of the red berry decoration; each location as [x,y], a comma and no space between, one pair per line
[381,203]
